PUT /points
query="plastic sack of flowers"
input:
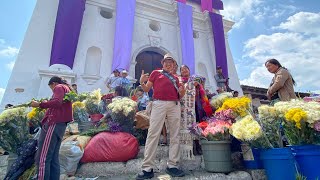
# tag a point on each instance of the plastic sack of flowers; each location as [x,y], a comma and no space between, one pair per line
[14,129]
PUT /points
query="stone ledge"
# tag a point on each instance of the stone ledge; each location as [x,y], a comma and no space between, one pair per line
[132,166]
[190,175]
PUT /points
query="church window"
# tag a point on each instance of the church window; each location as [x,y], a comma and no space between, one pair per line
[93,61]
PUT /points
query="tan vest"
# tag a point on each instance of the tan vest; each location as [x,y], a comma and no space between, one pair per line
[283,84]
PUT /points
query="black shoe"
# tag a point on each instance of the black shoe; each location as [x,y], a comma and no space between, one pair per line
[145,175]
[175,172]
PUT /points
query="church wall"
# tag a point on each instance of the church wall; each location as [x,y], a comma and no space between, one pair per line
[96,31]
[32,72]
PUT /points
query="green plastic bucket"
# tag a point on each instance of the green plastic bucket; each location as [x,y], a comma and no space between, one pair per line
[217,156]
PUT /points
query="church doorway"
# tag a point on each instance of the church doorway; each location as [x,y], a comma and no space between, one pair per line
[147,61]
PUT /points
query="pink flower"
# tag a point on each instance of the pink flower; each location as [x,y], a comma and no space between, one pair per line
[317,126]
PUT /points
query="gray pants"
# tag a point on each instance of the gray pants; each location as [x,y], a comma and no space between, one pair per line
[47,157]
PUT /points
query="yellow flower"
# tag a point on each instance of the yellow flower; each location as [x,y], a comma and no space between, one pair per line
[238,105]
[32,113]
[78,104]
[296,115]
[246,129]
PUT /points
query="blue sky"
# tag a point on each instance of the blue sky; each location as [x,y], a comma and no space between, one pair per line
[288,30]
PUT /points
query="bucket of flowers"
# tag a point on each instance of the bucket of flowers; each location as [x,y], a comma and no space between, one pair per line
[215,143]
[301,124]
[93,105]
[81,116]
[122,111]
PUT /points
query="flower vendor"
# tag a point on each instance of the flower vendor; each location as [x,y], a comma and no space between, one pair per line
[166,93]
[54,124]
[282,83]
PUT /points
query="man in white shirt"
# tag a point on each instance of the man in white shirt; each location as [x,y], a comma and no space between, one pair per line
[113,81]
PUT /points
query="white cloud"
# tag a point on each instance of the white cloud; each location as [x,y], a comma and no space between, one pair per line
[236,10]
[297,51]
[6,50]
[1,93]
[242,11]
[10,65]
[302,22]
[9,51]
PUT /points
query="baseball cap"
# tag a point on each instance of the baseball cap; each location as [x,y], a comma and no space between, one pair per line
[168,57]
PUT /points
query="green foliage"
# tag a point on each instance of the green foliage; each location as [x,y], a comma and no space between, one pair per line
[14,129]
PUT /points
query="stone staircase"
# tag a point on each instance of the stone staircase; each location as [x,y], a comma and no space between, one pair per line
[194,169]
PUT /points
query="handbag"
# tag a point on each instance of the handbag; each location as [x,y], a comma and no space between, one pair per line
[142,118]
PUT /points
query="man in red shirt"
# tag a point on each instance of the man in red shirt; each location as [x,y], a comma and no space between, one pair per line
[166,94]
[54,124]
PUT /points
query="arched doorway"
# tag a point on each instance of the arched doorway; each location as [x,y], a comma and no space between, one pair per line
[147,61]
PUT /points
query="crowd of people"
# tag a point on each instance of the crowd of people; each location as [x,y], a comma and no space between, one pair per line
[168,90]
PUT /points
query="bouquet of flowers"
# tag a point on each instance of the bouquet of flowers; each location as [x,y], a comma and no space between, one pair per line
[73,97]
[122,112]
[300,120]
[123,106]
[239,106]
[92,103]
[248,130]
[13,128]
[217,101]
[213,130]
[271,125]
[35,116]
[79,112]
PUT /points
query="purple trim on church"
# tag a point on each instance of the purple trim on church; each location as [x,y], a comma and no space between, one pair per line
[216,4]
[123,34]
[66,32]
[219,42]
[186,36]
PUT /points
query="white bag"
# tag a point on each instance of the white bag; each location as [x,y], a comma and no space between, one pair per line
[69,156]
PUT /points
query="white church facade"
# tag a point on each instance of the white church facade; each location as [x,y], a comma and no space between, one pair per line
[156,31]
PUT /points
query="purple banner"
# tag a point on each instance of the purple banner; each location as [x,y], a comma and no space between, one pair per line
[219,42]
[66,32]
[216,4]
[186,36]
[182,1]
[206,5]
[123,34]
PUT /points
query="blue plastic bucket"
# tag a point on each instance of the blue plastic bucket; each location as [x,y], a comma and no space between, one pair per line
[279,163]
[308,157]
[256,163]
[251,157]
